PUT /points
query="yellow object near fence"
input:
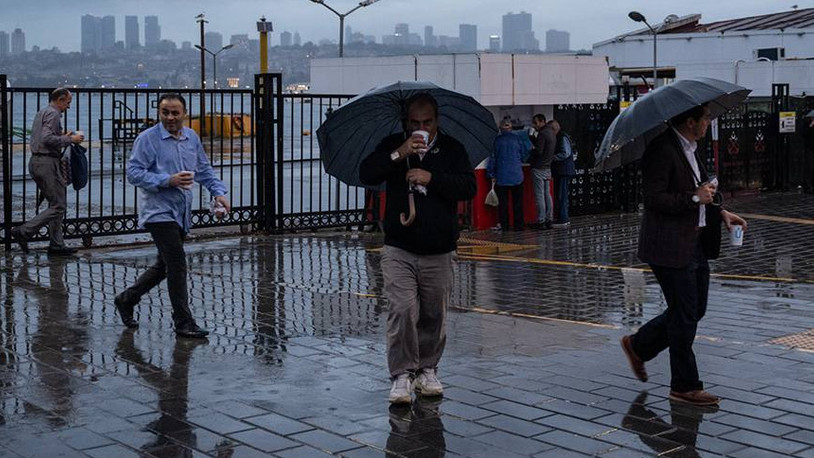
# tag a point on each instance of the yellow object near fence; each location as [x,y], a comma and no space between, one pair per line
[223,125]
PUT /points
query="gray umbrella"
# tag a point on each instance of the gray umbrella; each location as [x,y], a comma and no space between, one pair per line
[354,130]
[647,117]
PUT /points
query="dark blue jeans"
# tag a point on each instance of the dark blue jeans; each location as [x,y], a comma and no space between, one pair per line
[562,186]
[686,290]
[172,265]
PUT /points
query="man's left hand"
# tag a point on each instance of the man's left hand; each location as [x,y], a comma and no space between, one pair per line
[731,218]
[224,201]
[419,176]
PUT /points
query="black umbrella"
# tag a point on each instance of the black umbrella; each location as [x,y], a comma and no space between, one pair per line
[353,131]
[628,135]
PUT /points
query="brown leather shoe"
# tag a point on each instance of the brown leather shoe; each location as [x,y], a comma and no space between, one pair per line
[636,364]
[696,398]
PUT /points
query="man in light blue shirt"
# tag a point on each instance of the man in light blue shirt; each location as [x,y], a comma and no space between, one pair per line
[165,161]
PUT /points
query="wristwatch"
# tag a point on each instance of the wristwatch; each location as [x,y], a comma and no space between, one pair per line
[394,156]
[696,199]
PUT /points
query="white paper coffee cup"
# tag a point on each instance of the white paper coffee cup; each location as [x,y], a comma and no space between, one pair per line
[189,186]
[424,134]
[736,235]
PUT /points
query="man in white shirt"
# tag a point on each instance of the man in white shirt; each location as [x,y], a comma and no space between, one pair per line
[678,205]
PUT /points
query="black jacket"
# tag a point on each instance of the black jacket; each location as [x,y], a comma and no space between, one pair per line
[544,147]
[668,236]
[435,229]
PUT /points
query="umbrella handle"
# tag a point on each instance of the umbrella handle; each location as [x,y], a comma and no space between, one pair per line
[406,221]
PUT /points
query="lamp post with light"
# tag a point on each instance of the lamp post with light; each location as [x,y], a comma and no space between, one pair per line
[639,17]
[341,16]
[215,61]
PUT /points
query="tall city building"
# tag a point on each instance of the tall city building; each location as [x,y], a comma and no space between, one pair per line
[429,38]
[240,41]
[557,41]
[285,39]
[17,41]
[91,34]
[468,33]
[186,45]
[213,41]
[297,39]
[131,32]
[108,32]
[4,44]
[494,43]
[152,31]
[517,33]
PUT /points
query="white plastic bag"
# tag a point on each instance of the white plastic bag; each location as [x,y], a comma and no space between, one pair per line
[491,198]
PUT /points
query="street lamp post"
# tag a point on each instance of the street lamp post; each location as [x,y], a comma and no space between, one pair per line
[639,17]
[215,61]
[201,102]
[341,16]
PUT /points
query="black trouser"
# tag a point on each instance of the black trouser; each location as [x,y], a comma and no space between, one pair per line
[503,205]
[172,265]
[685,290]
[562,185]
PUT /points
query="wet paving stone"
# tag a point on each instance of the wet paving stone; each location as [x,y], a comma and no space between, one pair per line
[296,362]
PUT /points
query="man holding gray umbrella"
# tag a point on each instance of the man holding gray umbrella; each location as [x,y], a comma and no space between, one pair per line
[434,170]
[678,200]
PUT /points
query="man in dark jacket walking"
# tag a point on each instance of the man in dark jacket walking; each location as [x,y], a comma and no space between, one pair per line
[540,162]
[418,259]
[677,207]
[506,170]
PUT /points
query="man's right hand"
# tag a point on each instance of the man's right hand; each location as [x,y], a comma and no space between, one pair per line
[181,179]
[76,138]
[705,193]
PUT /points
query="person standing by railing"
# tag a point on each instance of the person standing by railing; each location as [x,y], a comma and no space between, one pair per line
[47,143]
[166,159]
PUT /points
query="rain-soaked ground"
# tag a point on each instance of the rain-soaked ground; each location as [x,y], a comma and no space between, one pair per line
[295,366]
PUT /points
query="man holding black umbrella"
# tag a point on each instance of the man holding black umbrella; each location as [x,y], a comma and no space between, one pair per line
[678,197]
[418,258]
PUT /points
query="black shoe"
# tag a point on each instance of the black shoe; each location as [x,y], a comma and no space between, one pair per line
[547,225]
[62,251]
[125,313]
[17,237]
[191,330]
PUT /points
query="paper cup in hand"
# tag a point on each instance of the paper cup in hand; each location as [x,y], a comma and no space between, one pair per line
[423,134]
[188,186]
[736,235]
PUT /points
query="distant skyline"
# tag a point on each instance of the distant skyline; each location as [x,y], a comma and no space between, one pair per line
[49,23]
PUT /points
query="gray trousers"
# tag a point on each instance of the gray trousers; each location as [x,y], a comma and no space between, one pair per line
[542,194]
[418,288]
[47,173]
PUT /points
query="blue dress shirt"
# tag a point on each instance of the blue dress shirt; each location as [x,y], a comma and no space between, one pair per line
[156,156]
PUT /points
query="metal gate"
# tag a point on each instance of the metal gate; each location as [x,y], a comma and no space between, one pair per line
[111,119]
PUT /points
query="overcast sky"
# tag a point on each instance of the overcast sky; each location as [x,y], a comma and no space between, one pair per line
[49,23]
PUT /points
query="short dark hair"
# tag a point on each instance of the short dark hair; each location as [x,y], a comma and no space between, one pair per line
[696,112]
[58,93]
[173,96]
[539,117]
[420,99]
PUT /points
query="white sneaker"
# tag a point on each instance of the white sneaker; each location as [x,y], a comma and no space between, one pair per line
[427,383]
[400,392]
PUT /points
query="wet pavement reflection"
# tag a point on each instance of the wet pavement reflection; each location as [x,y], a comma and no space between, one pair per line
[678,437]
[295,365]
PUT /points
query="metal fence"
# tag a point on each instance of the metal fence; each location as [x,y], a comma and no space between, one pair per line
[111,120]
[312,198]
